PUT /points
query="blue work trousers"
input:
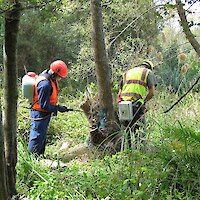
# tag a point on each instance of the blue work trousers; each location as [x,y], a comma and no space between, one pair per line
[38,131]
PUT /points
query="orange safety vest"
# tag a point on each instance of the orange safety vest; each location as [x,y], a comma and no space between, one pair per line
[135,84]
[53,97]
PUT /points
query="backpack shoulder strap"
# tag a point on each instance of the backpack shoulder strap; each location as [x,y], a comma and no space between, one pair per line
[42,77]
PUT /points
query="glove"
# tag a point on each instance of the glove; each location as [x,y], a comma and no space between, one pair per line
[62,108]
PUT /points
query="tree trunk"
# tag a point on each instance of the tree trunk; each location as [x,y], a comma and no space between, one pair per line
[100,112]
[186,29]
[4,194]
[101,61]
[11,92]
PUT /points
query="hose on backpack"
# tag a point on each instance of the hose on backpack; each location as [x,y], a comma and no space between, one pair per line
[30,118]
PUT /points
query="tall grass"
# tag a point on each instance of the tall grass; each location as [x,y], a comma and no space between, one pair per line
[168,169]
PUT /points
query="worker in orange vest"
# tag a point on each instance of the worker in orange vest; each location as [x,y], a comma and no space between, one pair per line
[45,104]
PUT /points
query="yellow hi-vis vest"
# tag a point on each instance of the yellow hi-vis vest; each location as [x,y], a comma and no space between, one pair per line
[135,84]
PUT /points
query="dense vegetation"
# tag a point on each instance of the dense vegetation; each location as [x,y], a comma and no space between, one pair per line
[168,168]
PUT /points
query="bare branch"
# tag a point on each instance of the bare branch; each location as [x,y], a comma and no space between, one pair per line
[186,29]
[183,95]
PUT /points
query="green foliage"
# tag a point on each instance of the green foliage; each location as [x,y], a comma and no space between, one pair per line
[169,169]
[49,41]
[127,34]
[187,139]
[181,153]
[46,43]
[169,71]
[193,73]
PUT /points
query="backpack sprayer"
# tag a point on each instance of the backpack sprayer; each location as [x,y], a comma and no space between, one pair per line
[28,85]
[125,110]
[128,110]
[28,88]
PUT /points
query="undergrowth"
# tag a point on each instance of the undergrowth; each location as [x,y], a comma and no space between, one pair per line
[168,168]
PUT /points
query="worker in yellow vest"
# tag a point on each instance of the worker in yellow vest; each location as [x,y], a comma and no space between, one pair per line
[138,86]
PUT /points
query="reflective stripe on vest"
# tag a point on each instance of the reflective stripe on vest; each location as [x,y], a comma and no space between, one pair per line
[53,98]
[135,84]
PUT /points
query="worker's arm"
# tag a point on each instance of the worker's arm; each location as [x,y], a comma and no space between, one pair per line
[119,99]
[150,94]
[151,82]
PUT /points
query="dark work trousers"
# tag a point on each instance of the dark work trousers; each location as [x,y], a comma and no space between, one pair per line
[137,125]
[38,131]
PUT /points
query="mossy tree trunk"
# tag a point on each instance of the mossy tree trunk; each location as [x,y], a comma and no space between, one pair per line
[12,17]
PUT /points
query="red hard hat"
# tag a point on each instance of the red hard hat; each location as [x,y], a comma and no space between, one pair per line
[60,68]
